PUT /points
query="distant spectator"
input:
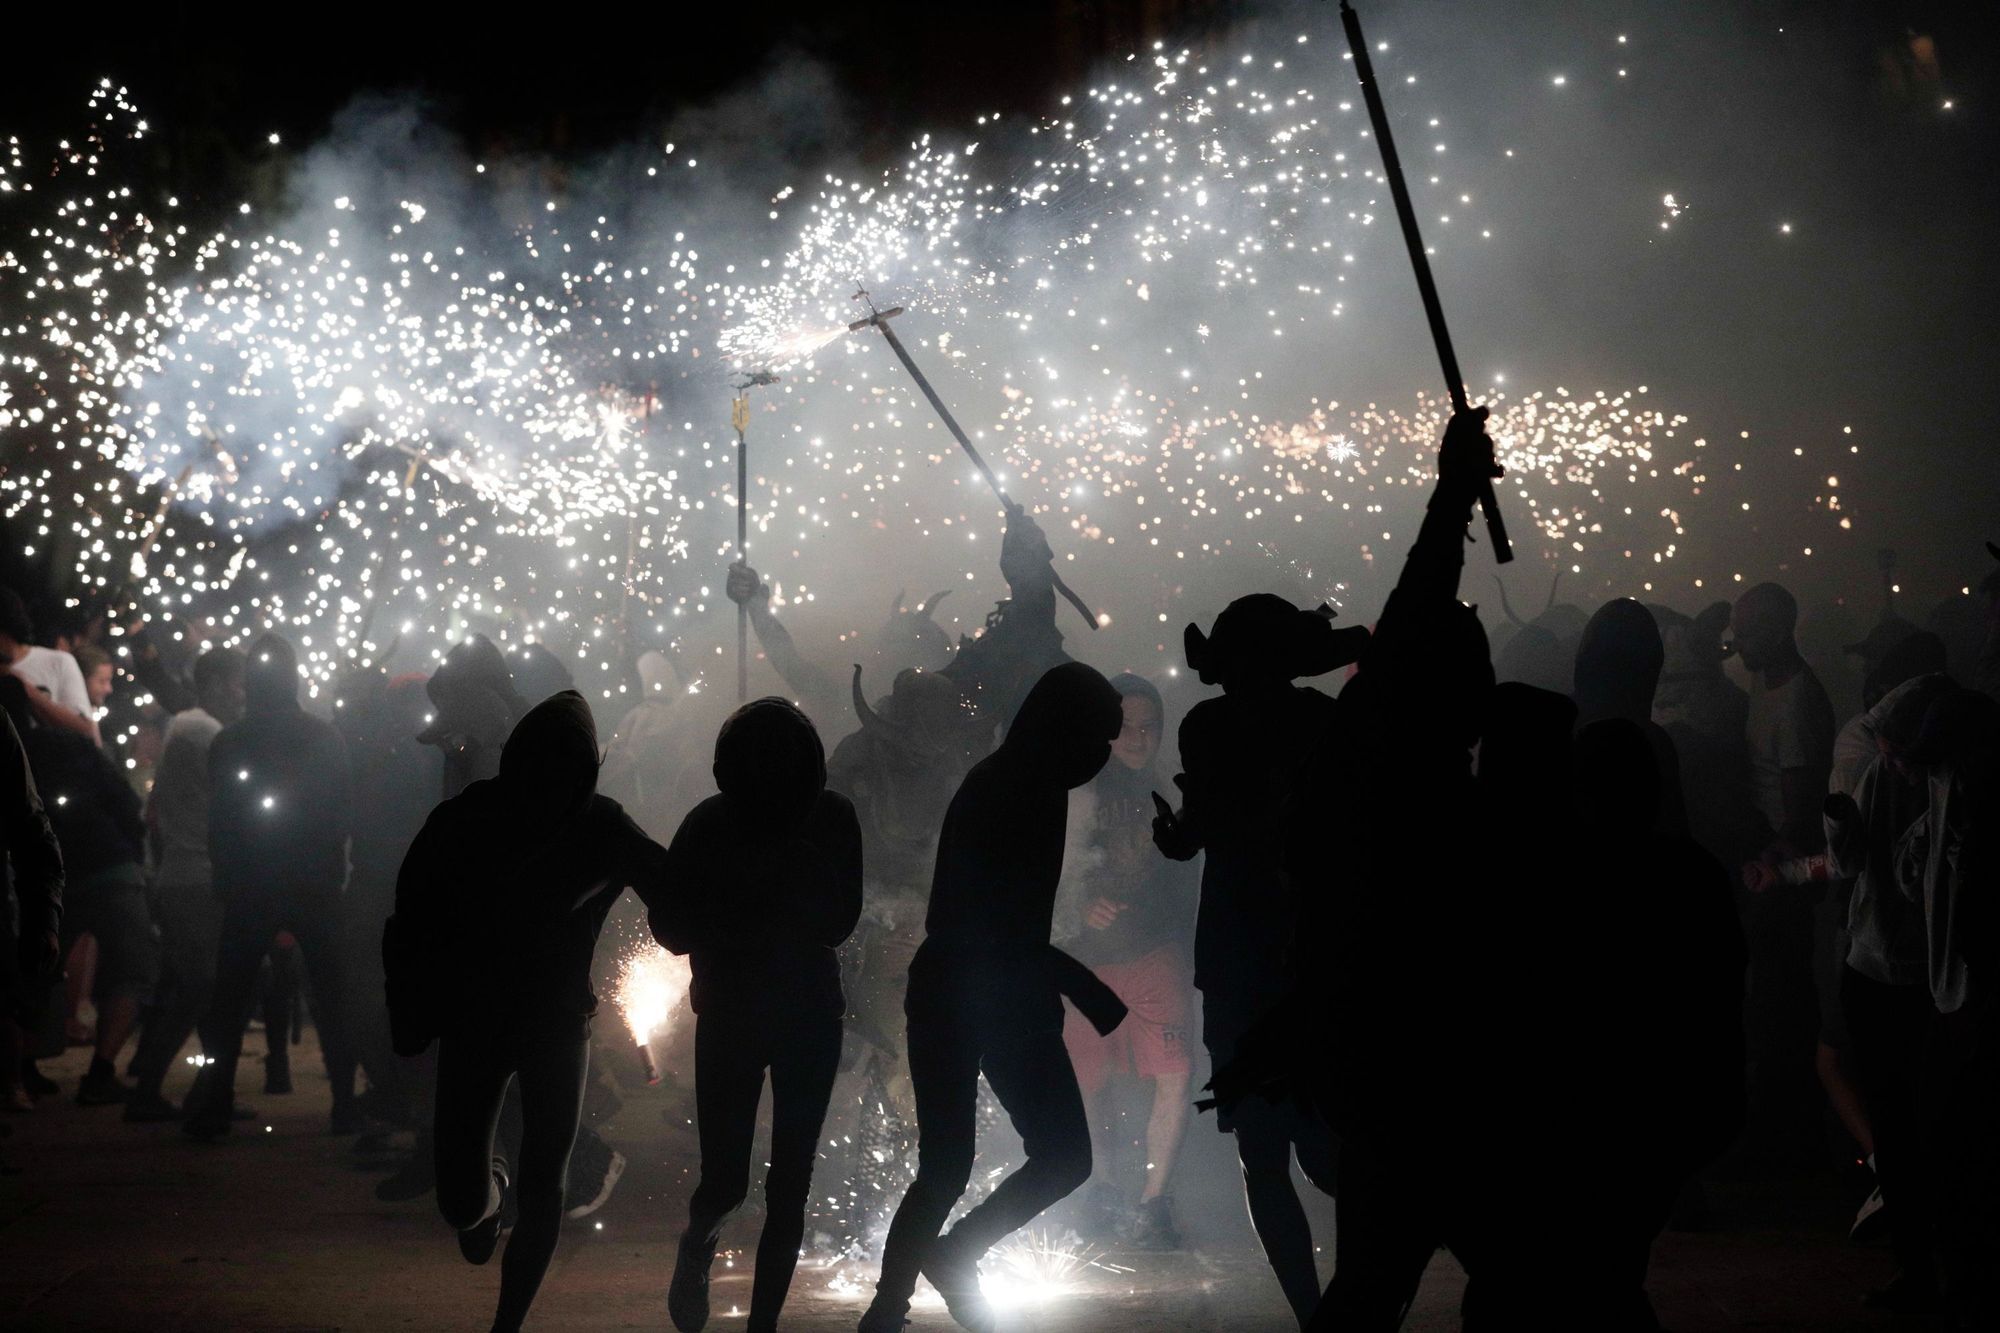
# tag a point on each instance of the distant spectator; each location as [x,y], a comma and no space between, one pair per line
[56,695]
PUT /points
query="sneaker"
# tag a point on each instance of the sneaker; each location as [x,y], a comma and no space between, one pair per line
[687,1294]
[147,1107]
[478,1243]
[100,1087]
[35,1083]
[1153,1226]
[1871,1219]
[277,1079]
[954,1271]
[1098,1212]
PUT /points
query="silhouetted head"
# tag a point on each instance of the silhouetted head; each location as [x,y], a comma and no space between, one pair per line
[1138,742]
[1762,625]
[218,684]
[1262,640]
[1618,662]
[1919,653]
[472,693]
[538,673]
[1066,725]
[769,760]
[549,763]
[1525,751]
[1433,677]
[270,675]
[17,631]
[100,675]
[1617,780]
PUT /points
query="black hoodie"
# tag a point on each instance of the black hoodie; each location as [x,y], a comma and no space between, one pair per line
[765,876]
[503,894]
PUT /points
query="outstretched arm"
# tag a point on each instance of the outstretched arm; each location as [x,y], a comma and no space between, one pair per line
[814,687]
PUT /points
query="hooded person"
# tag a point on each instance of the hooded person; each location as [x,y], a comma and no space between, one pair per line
[1618,664]
[1243,757]
[765,885]
[985,996]
[1706,715]
[499,904]
[279,814]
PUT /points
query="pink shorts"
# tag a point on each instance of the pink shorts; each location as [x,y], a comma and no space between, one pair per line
[1153,1039]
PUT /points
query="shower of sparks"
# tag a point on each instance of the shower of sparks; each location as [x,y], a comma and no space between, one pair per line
[374,418]
[651,985]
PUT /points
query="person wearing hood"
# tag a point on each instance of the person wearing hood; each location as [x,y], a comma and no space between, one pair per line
[474,705]
[278,821]
[1244,755]
[1618,665]
[985,996]
[765,883]
[499,904]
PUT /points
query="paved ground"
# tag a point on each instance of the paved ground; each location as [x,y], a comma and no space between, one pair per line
[109,1226]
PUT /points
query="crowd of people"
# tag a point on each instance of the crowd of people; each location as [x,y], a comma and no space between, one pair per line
[1573,898]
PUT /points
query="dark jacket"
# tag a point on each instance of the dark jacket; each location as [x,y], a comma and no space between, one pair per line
[33,852]
[278,801]
[765,876]
[94,812]
[503,894]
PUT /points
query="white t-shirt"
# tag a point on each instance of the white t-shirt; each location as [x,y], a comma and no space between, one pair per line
[57,675]
[1789,727]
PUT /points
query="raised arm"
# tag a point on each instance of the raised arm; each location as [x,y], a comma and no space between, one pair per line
[816,690]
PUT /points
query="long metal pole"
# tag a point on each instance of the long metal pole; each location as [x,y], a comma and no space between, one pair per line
[741,413]
[880,319]
[1406,213]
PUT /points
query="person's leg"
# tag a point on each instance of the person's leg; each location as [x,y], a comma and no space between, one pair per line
[472,1077]
[316,925]
[128,968]
[1886,1024]
[729,1061]
[1166,1129]
[190,927]
[248,926]
[277,1003]
[79,979]
[1029,1072]
[1090,1057]
[1843,1093]
[803,1066]
[553,1067]
[1264,1135]
[944,1076]
[1382,1245]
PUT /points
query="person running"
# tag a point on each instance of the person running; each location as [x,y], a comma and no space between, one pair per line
[985,996]
[498,908]
[765,884]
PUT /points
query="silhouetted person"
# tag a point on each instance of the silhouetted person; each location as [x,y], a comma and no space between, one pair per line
[97,822]
[278,818]
[184,902]
[1243,756]
[1618,665]
[498,909]
[996,670]
[1790,732]
[985,996]
[1884,996]
[765,883]
[1707,716]
[1135,926]
[1652,1080]
[31,948]
[1952,870]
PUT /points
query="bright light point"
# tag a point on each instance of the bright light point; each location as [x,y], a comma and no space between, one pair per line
[1560,80]
[1785,228]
